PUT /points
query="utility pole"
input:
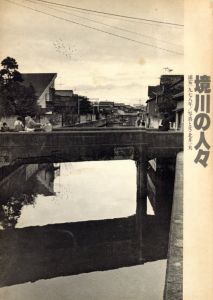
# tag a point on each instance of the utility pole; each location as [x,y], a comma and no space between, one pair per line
[79,116]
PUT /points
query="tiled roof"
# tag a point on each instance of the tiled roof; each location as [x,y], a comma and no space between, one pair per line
[65,93]
[119,104]
[171,79]
[179,95]
[108,103]
[38,80]
[153,90]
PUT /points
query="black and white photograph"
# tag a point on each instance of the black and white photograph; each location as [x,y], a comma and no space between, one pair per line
[92,118]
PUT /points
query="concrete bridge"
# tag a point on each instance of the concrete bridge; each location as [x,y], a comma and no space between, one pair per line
[88,144]
[83,144]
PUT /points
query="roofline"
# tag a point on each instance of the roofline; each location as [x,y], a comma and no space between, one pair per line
[178,95]
[63,90]
[153,98]
[178,81]
[40,73]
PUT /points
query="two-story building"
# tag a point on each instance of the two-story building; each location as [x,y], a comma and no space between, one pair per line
[179,111]
[168,98]
[65,103]
[44,85]
[154,117]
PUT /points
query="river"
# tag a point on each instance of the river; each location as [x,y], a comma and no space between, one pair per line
[68,219]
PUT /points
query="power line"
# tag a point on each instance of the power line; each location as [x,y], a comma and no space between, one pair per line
[110,26]
[111,14]
[114,17]
[96,29]
[111,17]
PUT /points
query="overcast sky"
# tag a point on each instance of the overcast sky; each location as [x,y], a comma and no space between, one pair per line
[90,62]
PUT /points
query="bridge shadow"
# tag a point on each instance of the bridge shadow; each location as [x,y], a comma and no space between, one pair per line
[43,252]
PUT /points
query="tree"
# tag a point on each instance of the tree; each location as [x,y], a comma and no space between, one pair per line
[166,103]
[9,73]
[10,208]
[84,105]
[15,98]
[26,101]
[7,107]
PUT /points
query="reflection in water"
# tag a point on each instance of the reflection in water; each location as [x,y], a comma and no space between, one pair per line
[21,189]
[86,191]
[10,212]
[82,191]
[105,228]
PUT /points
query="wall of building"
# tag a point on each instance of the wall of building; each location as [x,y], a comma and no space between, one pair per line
[179,120]
[153,122]
[179,116]
[87,118]
[45,96]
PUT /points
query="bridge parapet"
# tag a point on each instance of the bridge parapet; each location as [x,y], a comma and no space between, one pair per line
[75,145]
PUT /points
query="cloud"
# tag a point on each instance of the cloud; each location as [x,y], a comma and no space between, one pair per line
[107,86]
[94,87]
[96,63]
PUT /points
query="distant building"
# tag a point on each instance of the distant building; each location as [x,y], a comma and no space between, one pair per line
[153,115]
[106,105]
[140,107]
[177,87]
[65,102]
[120,106]
[43,84]
[179,111]
[64,93]
[167,97]
[105,108]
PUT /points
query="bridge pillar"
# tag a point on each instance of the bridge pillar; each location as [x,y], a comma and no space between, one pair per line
[164,186]
[142,185]
[141,209]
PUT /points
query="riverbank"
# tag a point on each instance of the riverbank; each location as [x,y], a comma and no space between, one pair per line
[174,274]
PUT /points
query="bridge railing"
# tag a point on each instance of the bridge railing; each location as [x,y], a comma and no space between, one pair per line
[95,144]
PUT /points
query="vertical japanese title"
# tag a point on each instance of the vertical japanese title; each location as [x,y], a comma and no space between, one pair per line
[202,119]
